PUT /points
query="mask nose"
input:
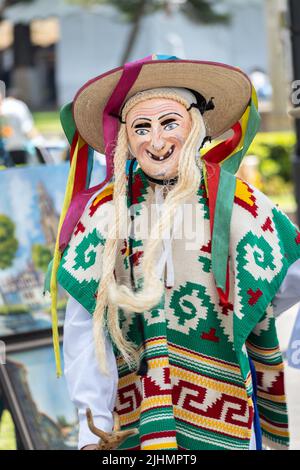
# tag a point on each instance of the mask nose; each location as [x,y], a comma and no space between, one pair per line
[157,142]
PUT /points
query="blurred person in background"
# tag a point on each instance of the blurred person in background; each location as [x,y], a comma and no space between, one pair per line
[261,83]
[5,159]
[3,152]
[18,130]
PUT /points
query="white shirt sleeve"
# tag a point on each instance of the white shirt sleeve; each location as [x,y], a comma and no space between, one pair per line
[289,292]
[87,386]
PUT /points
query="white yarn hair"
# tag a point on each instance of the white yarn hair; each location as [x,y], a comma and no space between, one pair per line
[112,296]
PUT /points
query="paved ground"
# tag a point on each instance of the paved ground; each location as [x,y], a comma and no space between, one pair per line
[284,326]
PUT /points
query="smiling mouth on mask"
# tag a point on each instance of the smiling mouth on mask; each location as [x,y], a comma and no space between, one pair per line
[161,158]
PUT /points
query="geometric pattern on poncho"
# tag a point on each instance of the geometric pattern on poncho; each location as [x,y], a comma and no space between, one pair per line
[197,392]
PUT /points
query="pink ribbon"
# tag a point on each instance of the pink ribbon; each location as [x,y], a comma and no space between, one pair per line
[110,133]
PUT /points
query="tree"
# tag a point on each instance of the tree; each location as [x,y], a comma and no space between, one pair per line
[8,243]
[62,421]
[200,11]
[9,3]
[41,256]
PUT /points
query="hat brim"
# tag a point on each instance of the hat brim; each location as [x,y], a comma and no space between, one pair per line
[229,86]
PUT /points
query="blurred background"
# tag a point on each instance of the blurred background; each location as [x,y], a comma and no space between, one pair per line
[49,48]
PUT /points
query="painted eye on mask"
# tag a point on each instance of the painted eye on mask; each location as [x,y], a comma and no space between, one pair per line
[171,126]
[141,131]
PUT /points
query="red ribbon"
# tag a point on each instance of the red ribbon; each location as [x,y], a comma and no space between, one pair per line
[213,158]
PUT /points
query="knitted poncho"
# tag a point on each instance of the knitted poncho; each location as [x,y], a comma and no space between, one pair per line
[197,391]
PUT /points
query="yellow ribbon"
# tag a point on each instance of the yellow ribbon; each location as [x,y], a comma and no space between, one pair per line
[57,258]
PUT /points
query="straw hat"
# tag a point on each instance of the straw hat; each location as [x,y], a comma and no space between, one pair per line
[229,87]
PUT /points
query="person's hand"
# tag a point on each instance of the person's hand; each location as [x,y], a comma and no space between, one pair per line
[91,447]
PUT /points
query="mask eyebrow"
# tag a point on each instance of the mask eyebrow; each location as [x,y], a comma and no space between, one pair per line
[167,121]
[143,125]
[168,114]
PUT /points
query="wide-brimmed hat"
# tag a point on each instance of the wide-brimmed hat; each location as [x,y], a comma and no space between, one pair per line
[229,87]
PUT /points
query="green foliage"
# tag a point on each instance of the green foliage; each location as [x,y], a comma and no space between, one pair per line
[274,151]
[8,243]
[129,8]
[47,121]
[202,11]
[41,256]
[62,422]
[13,309]
[7,432]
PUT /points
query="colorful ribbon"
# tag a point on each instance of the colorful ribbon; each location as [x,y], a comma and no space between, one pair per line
[221,184]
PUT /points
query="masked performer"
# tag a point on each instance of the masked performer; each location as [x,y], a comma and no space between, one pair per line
[183,344]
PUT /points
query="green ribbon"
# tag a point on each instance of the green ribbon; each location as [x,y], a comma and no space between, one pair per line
[225,200]
[67,122]
[48,277]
